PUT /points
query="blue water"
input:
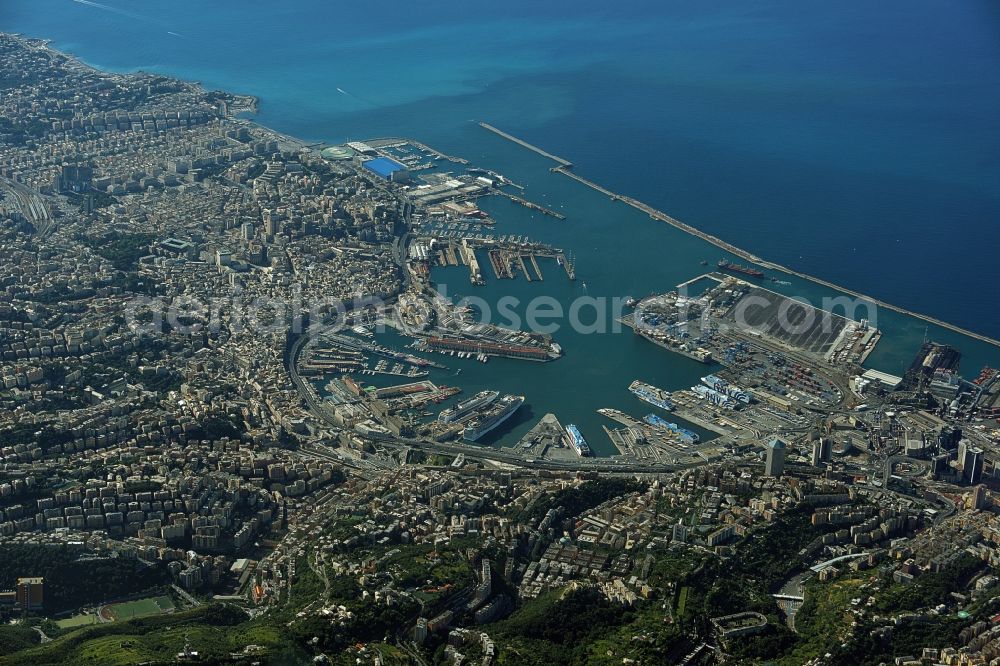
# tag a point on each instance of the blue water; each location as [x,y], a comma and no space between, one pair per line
[855,141]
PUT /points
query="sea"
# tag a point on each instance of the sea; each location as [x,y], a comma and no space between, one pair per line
[854,141]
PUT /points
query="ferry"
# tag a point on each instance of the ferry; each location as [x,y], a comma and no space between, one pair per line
[492,417]
[715,397]
[651,394]
[456,412]
[686,435]
[576,440]
[724,387]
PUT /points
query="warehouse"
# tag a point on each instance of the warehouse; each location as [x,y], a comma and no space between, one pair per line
[387,169]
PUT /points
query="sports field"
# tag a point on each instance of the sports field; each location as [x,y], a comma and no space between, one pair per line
[138,608]
[81,620]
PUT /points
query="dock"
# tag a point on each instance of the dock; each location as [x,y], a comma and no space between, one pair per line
[567,264]
[545,439]
[500,266]
[523,267]
[468,255]
[676,348]
[616,438]
[538,271]
[565,167]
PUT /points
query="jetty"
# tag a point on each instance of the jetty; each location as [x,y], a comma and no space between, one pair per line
[564,167]
[531,205]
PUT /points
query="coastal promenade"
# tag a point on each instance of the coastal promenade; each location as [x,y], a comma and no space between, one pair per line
[565,168]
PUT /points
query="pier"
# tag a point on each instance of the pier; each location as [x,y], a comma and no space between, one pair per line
[531,205]
[567,263]
[524,269]
[538,271]
[565,168]
[468,255]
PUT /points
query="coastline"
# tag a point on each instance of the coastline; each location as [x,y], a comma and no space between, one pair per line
[563,166]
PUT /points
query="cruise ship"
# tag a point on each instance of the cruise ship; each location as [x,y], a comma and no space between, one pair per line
[497,413]
[456,412]
[686,435]
[577,441]
[651,394]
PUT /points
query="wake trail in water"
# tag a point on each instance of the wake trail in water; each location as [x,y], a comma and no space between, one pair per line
[355,97]
[108,8]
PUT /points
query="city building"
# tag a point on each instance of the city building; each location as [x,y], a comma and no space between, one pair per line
[30,593]
[775,462]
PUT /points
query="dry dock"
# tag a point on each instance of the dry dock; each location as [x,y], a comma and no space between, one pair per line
[524,269]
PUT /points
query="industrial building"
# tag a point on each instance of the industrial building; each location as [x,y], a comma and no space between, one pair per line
[387,169]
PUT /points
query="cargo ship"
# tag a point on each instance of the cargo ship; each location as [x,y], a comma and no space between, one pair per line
[686,435]
[722,386]
[737,268]
[576,440]
[496,414]
[456,412]
[651,394]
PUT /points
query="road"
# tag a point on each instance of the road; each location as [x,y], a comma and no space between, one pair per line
[187,597]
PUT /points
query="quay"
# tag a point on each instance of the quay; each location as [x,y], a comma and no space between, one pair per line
[543,438]
[627,320]
[468,255]
[616,438]
[565,168]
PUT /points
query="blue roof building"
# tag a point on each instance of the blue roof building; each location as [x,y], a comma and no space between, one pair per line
[386,168]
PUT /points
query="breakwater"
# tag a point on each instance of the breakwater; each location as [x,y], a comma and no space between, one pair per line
[565,167]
